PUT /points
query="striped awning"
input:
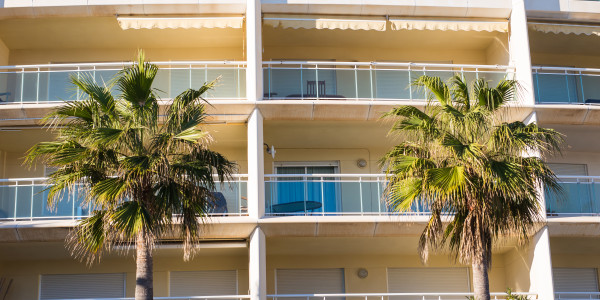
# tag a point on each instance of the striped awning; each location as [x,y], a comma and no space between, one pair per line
[449,25]
[180,22]
[565,28]
[325,22]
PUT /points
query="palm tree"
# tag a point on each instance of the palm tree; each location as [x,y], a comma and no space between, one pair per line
[459,159]
[146,180]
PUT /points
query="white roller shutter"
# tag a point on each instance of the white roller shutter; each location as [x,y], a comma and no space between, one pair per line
[575,280]
[80,286]
[310,281]
[569,169]
[428,280]
[203,283]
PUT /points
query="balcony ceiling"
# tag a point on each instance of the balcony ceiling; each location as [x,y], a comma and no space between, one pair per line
[563,44]
[408,39]
[104,32]
[18,141]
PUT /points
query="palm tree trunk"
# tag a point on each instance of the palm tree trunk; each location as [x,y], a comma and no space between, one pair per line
[143,274]
[481,283]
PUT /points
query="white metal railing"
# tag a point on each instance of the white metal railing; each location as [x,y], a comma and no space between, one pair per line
[226,297]
[26,199]
[564,85]
[392,296]
[581,197]
[329,194]
[48,83]
[363,80]
[577,295]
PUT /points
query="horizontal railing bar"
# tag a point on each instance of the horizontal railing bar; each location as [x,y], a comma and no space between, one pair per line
[159,63]
[46,178]
[325,175]
[389,294]
[175,298]
[577,177]
[373,63]
[549,68]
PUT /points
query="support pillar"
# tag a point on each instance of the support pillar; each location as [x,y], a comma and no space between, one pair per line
[257,265]
[540,273]
[256,165]
[254,73]
[518,47]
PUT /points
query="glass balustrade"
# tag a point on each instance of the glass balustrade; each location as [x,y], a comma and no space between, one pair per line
[580,196]
[52,83]
[329,195]
[28,199]
[566,86]
[337,81]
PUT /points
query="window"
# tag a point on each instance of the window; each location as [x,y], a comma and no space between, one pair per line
[575,280]
[80,286]
[202,283]
[428,280]
[310,281]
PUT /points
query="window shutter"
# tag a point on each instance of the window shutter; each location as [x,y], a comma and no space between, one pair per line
[310,281]
[575,280]
[80,286]
[203,283]
[428,280]
[569,169]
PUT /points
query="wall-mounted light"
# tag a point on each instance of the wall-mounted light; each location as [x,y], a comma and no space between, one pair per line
[361,163]
[271,150]
[362,273]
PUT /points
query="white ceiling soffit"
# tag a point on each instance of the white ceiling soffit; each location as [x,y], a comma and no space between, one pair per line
[325,22]
[180,22]
[565,28]
[449,25]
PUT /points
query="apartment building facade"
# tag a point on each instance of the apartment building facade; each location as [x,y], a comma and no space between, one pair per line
[302,86]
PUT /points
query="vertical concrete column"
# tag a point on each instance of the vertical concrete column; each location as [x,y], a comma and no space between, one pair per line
[532,118]
[518,47]
[254,74]
[257,265]
[256,165]
[540,273]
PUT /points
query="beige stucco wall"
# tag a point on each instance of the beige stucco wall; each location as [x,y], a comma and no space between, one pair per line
[26,274]
[376,265]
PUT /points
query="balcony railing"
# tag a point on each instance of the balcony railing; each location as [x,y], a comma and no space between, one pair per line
[363,80]
[227,297]
[566,85]
[577,295]
[328,194]
[51,82]
[26,199]
[581,196]
[392,296]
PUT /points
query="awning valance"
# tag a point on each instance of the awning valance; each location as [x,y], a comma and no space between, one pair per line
[326,22]
[180,22]
[565,28]
[451,25]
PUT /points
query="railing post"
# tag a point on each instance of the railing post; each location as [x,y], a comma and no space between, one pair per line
[317,80]
[31,202]
[410,92]
[371,81]
[356,81]
[22,83]
[322,196]
[582,90]
[301,83]
[16,197]
[37,90]
[360,190]
[305,198]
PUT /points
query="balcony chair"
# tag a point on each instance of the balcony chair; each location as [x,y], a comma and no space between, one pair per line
[312,88]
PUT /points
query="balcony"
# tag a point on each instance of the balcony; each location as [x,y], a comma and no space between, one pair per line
[581,197]
[393,296]
[556,85]
[577,295]
[328,195]
[26,199]
[51,83]
[331,80]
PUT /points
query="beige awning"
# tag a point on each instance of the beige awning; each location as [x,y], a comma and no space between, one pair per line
[180,22]
[325,22]
[451,25]
[565,28]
